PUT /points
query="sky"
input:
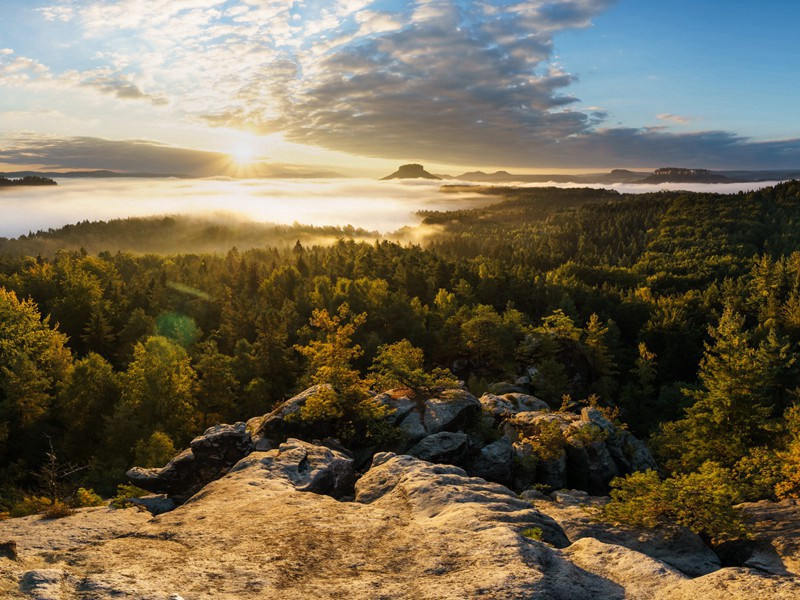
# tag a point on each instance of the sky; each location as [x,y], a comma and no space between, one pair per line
[311,87]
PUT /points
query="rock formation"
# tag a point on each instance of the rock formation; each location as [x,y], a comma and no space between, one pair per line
[270,528]
[412,171]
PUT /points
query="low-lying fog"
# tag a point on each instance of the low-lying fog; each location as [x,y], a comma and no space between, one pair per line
[381,206]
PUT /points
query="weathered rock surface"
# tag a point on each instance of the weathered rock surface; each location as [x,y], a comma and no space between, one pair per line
[494,462]
[450,410]
[273,428]
[208,457]
[776,548]
[417,530]
[575,512]
[307,467]
[511,404]
[593,451]
[443,447]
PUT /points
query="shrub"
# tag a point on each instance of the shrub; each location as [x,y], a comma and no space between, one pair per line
[29,505]
[702,501]
[125,492]
[58,510]
[87,497]
[589,434]
[533,533]
[547,441]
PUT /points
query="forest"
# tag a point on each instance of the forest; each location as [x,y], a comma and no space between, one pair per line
[677,312]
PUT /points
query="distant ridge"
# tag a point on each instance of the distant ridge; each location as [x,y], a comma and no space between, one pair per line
[411,171]
[101,174]
[662,175]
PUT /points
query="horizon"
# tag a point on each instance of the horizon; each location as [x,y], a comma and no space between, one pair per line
[250,89]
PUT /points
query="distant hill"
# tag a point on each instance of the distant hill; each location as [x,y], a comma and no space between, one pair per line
[412,171]
[663,175]
[102,174]
[679,175]
[28,180]
[615,176]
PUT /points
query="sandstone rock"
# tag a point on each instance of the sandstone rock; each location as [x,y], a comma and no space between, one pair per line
[418,531]
[307,467]
[494,462]
[574,511]
[451,410]
[511,404]
[155,504]
[593,452]
[776,547]
[275,427]
[43,584]
[443,447]
[208,457]
[446,496]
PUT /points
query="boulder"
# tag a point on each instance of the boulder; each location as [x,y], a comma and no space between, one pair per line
[443,447]
[208,457]
[275,427]
[592,452]
[306,467]
[450,410]
[511,404]
[494,462]
[776,545]
[446,497]
[416,530]
[629,453]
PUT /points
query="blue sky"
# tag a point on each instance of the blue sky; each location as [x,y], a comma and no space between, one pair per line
[730,65]
[520,84]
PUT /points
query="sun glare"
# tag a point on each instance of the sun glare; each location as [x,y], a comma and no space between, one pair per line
[243,154]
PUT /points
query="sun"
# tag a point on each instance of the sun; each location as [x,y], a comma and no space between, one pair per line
[243,154]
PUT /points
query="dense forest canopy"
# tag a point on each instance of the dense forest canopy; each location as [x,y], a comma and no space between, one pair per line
[679,311]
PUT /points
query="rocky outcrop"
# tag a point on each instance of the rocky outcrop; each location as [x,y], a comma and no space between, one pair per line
[416,530]
[511,404]
[776,546]
[275,427]
[444,447]
[576,513]
[410,171]
[588,453]
[450,410]
[307,467]
[208,457]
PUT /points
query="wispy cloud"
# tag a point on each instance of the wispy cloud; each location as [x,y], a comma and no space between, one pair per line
[679,119]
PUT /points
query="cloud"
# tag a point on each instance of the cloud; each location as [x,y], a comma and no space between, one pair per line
[450,81]
[679,119]
[140,156]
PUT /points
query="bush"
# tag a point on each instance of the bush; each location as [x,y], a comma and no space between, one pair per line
[533,533]
[58,510]
[702,501]
[87,497]
[125,492]
[547,441]
[29,505]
